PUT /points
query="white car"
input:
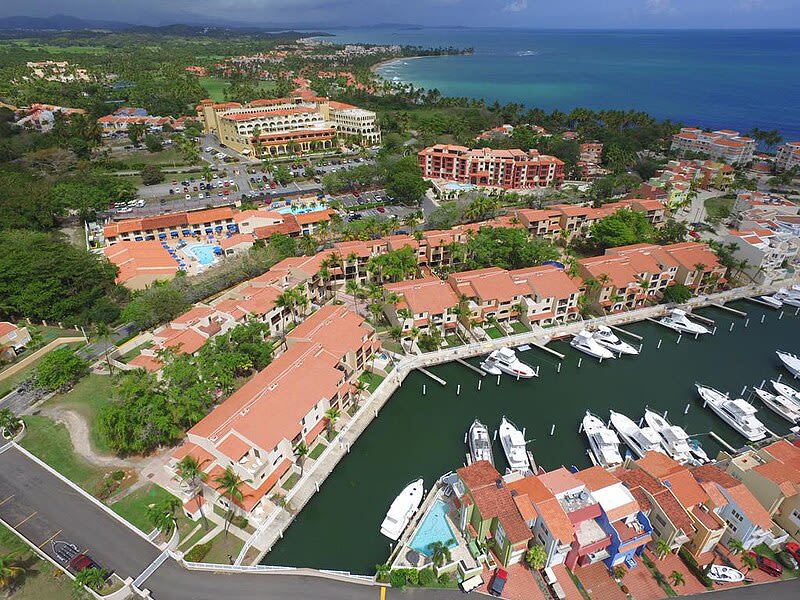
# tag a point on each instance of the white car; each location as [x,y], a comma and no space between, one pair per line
[188,196]
[125,209]
[200,196]
[209,149]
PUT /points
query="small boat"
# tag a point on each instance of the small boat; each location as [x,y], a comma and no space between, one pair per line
[780,405]
[678,321]
[586,343]
[513,443]
[771,300]
[790,361]
[674,439]
[639,439]
[724,574]
[737,413]
[480,444]
[698,452]
[605,337]
[504,360]
[603,442]
[402,509]
[786,391]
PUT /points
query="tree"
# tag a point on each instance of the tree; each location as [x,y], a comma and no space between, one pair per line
[282,175]
[662,548]
[332,415]
[60,369]
[103,334]
[622,228]
[229,484]
[161,515]
[156,304]
[770,138]
[671,232]
[301,451]
[677,579]
[9,422]
[153,143]
[749,561]
[404,181]
[735,546]
[440,553]
[10,571]
[151,175]
[92,578]
[481,208]
[620,572]
[677,293]
[536,557]
[507,248]
[136,132]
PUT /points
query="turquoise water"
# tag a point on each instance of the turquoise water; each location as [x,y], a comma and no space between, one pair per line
[434,528]
[734,79]
[204,253]
[299,210]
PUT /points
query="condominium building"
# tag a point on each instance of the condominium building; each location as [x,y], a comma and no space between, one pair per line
[767,253]
[281,126]
[553,296]
[788,156]
[171,226]
[506,169]
[423,303]
[141,263]
[724,144]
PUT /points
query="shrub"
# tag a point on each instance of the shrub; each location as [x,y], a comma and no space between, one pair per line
[199,552]
[118,475]
[444,579]
[412,576]
[696,569]
[240,521]
[397,578]
[427,578]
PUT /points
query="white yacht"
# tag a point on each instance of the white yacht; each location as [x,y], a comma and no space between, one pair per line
[605,337]
[772,301]
[678,321]
[513,443]
[737,413]
[674,439]
[639,439]
[790,361]
[480,444]
[586,343]
[724,574]
[786,391]
[402,509]
[603,442]
[504,360]
[780,405]
[697,451]
[787,297]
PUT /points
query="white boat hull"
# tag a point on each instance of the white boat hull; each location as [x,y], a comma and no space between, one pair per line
[714,399]
[516,454]
[790,361]
[402,509]
[783,407]
[606,455]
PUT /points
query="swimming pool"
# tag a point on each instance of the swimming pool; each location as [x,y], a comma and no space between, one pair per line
[299,209]
[434,528]
[453,185]
[203,252]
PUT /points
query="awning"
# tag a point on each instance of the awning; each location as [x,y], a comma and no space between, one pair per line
[232,226]
[162,236]
[173,234]
[186,232]
[218,227]
[209,230]
[138,238]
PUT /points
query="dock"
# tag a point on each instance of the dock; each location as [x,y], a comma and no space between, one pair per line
[550,350]
[620,330]
[702,318]
[480,372]
[762,303]
[741,313]
[432,376]
[722,442]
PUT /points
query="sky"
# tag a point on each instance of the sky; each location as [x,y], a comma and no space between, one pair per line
[569,14]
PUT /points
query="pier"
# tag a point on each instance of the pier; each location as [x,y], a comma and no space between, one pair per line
[432,376]
[460,361]
[702,318]
[722,442]
[740,313]
[550,350]
[628,333]
[762,303]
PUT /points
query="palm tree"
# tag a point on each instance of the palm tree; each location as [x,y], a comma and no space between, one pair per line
[190,470]
[94,579]
[162,515]
[749,561]
[332,414]
[301,451]
[536,557]
[352,288]
[287,300]
[662,548]
[676,578]
[735,546]
[360,387]
[103,333]
[229,484]
[10,571]
[440,553]
[9,422]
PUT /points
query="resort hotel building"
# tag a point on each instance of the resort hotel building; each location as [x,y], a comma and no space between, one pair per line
[303,123]
[725,144]
[788,156]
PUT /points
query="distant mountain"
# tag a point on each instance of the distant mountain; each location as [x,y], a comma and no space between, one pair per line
[57,23]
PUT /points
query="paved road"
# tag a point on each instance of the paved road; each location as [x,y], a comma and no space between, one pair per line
[784,590]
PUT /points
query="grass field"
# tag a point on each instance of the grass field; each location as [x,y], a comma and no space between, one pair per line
[133,508]
[224,546]
[216,87]
[371,379]
[166,158]
[718,208]
[91,394]
[41,580]
[50,442]
[34,46]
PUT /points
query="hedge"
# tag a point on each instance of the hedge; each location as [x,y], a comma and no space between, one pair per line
[198,553]
[696,569]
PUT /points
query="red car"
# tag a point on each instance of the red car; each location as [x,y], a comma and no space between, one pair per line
[694,234]
[498,582]
[767,565]
[380,209]
[82,562]
[793,548]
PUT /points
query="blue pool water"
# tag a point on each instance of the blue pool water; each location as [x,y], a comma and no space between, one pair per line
[204,253]
[298,210]
[434,528]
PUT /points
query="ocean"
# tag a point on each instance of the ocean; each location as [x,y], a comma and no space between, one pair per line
[710,78]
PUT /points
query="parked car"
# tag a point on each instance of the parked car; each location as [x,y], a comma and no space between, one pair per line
[81,562]
[793,548]
[188,196]
[767,565]
[380,209]
[787,560]
[498,582]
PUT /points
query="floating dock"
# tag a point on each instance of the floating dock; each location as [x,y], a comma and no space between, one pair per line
[480,372]
[432,376]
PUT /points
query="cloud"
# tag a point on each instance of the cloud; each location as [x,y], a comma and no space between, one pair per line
[660,7]
[516,6]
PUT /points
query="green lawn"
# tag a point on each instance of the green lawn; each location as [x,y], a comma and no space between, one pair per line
[88,397]
[128,356]
[493,332]
[50,442]
[216,87]
[316,451]
[222,547]
[718,208]
[291,482]
[518,327]
[42,580]
[168,157]
[11,382]
[133,508]
[372,380]
[453,340]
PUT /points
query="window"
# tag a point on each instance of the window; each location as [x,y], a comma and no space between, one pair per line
[661,519]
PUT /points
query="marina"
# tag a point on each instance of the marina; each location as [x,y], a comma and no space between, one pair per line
[662,378]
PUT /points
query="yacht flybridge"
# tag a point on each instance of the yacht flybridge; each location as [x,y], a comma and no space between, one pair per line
[603,442]
[780,405]
[735,412]
[504,360]
[680,322]
[639,439]
[513,442]
[786,390]
[402,509]
[674,439]
[605,337]
[585,342]
[480,444]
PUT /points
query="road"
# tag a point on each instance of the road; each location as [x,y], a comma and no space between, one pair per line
[784,590]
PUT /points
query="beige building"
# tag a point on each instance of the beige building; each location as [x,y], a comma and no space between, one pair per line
[13,340]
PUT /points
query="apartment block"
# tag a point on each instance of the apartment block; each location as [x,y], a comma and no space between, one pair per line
[171,226]
[725,144]
[788,156]
[491,293]
[553,296]
[423,303]
[767,253]
[698,266]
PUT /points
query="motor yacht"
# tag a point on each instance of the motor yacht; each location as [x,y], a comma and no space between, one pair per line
[772,301]
[504,360]
[788,298]
[639,439]
[513,443]
[678,321]
[737,413]
[480,444]
[605,337]
[402,509]
[786,390]
[780,405]
[790,361]
[603,442]
[674,439]
[724,574]
[586,343]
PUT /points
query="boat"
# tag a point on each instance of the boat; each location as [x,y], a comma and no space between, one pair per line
[780,405]
[678,321]
[480,444]
[603,442]
[402,509]
[504,360]
[787,297]
[698,452]
[513,443]
[786,391]
[737,413]
[724,574]
[605,337]
[771,300]
[790,361]
[639,439]
[586,343]
[674,439]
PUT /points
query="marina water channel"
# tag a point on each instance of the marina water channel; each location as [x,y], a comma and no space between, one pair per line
[423,435]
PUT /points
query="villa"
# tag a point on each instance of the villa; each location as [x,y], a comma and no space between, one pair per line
[13,340]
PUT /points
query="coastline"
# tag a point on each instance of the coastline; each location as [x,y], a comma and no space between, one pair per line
[374,68]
